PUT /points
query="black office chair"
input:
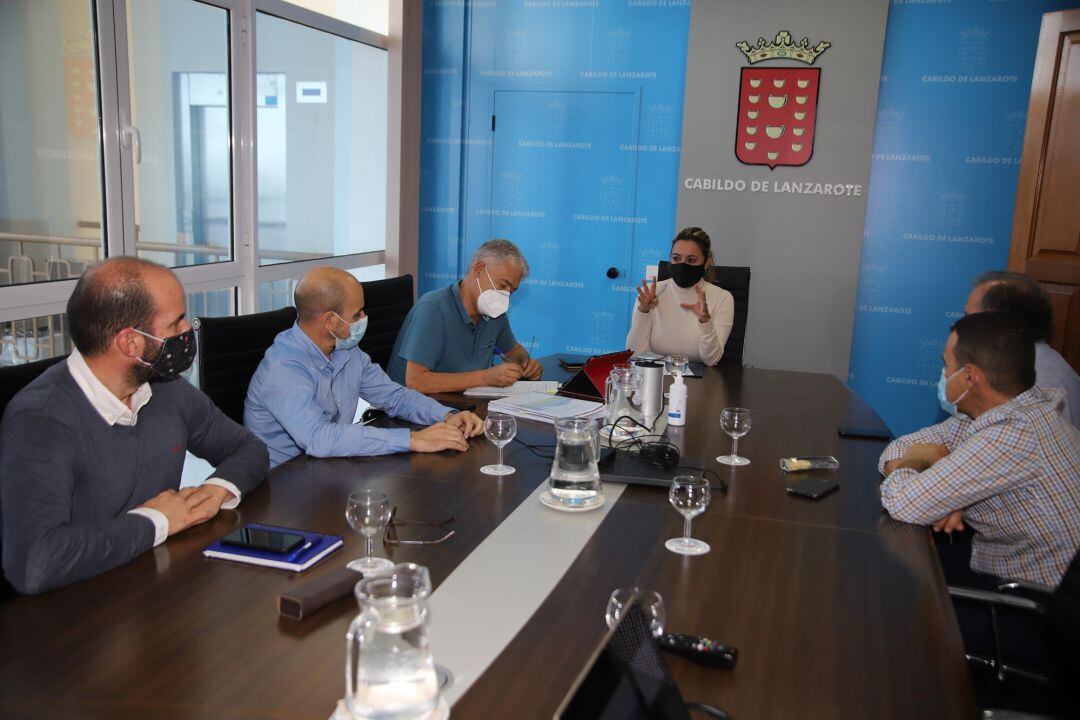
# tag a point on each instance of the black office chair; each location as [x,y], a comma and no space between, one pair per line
[230,349]
[1053,616]
[386,303]
[13,379]
[736,280]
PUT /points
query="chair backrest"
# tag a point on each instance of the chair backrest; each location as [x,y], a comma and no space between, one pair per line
[15,377]
[387,303]
[230,349]
[736,280]
[1063,625]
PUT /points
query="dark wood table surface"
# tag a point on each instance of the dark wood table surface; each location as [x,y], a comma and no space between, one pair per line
[837,610]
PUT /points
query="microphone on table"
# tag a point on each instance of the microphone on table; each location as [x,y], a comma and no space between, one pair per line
[699,649]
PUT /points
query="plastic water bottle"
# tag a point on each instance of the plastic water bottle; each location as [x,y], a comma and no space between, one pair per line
[676,413]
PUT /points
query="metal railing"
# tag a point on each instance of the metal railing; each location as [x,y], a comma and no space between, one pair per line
[20,267]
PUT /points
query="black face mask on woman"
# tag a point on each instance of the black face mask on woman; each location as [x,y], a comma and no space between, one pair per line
[686,275]
[175,356]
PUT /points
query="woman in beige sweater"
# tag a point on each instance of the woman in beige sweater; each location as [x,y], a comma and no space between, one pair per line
[685,314]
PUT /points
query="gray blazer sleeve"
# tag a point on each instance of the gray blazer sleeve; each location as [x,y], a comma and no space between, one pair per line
[235,452]
[42,548]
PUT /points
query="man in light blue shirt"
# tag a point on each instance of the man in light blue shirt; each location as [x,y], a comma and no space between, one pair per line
[304,394]
[1024,297]
[451,335]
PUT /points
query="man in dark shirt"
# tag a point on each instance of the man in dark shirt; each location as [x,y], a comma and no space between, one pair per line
[92,451]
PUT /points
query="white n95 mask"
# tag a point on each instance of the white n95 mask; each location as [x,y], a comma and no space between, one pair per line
[492,303]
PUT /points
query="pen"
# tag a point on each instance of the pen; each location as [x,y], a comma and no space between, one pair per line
[301,551]
[502,356]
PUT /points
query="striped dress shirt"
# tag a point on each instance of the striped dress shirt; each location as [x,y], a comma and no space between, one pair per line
[1015,472]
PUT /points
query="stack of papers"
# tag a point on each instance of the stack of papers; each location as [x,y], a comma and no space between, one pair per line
[547,408]
[521,386]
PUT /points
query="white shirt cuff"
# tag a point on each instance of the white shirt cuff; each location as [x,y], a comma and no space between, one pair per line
[161,523]
[228,504]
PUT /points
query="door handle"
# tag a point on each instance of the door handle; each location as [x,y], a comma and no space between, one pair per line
[612,272]
[130,138]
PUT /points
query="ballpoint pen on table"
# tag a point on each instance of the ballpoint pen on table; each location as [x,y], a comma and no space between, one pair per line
[297,553]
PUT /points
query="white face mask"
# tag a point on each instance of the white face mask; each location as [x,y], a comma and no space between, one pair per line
[492,303]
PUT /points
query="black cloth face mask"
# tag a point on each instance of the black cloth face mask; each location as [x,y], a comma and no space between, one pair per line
[175,356]
[686,275]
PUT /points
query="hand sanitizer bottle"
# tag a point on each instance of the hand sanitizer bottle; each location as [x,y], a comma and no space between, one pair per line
[676,414]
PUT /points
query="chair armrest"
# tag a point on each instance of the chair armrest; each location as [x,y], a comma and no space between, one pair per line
[1033,588]
[708,710]
[997,599]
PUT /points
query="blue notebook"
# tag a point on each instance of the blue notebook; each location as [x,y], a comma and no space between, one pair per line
[320,546]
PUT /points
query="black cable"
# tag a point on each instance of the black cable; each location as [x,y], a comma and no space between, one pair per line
[533,449]
[663,455]
[721,486]
[614,425]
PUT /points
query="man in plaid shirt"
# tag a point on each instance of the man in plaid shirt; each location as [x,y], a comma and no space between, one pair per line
[1007,463]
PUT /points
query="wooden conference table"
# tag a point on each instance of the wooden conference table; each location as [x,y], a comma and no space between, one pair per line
[837,611]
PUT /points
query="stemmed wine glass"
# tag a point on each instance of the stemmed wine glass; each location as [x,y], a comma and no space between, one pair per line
[651,602]
[676,365]
[500,429]
[736,423]
[690,496]
[367,512]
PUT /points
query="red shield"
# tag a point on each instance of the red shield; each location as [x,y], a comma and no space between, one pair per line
[777,113]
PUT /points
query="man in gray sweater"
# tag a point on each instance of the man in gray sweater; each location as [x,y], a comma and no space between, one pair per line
[92,451]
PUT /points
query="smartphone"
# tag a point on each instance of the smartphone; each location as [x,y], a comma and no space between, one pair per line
[813,488]
[865,433]
[268,540]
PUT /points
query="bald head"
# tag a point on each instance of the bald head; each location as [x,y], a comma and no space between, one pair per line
[116,294]
[326,289]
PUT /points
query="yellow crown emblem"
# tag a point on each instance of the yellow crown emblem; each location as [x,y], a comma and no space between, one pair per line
[783,49]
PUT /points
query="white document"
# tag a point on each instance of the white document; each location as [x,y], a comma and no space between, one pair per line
[549,387]
[546,408]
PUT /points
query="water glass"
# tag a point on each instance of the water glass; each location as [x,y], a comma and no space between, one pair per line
[500,429]
[736,423]
[367,512]
[690,496]
[676,365]
[651,602]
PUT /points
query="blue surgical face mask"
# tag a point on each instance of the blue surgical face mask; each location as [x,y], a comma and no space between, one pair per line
[943,394]
[356,331]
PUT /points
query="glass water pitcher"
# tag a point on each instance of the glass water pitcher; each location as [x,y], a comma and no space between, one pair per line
[619,394]
[389,671]
[575,477]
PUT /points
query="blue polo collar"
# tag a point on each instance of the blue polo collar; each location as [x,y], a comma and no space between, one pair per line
[335,363]
[455,290]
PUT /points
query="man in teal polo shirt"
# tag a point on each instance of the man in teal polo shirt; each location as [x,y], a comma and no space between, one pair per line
[451,335]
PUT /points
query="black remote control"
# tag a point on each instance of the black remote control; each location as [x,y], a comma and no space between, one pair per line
[699,649]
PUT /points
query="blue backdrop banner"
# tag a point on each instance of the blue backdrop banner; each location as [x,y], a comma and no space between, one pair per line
[556,124]
[951,115]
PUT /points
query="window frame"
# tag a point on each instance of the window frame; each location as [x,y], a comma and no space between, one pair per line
[243,272]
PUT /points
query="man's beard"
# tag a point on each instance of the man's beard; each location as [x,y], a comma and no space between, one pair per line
[140,374]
